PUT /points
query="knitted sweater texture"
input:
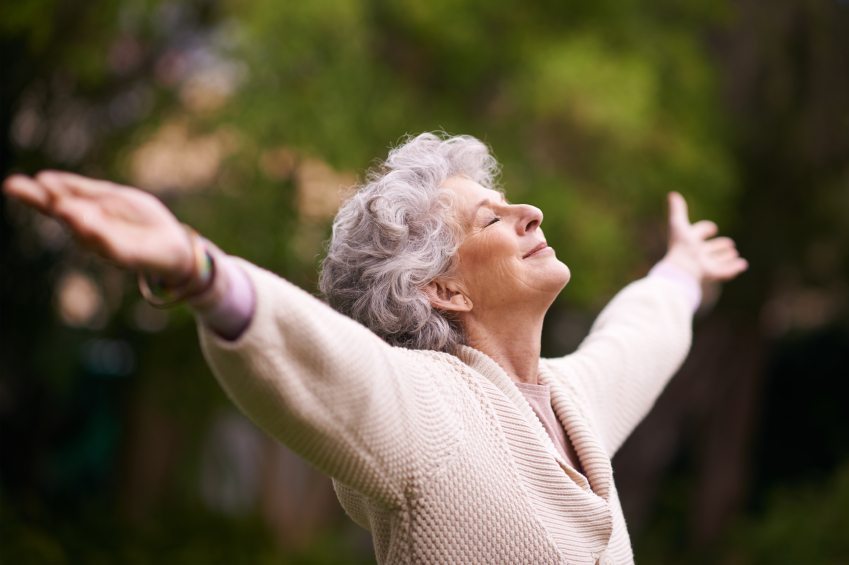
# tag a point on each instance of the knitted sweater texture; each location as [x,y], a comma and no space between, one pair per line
[440,456]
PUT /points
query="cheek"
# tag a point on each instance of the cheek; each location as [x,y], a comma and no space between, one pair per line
[488,264]
[484,253]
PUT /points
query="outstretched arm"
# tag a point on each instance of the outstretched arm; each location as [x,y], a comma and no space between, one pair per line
[316,380]
[643,335]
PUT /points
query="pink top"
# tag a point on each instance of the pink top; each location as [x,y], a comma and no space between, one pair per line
[539,397]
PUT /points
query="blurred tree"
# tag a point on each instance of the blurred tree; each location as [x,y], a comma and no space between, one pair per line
[253,118]
[783,73]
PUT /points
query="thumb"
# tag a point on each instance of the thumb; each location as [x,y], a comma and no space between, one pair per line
[679,219]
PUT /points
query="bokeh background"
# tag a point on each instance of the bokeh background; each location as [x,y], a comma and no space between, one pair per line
[253,118]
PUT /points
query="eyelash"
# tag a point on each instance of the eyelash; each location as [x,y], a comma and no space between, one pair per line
[495,219]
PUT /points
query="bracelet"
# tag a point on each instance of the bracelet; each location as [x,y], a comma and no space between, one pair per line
[198,281]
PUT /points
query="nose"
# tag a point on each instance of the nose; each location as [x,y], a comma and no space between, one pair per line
[530,219]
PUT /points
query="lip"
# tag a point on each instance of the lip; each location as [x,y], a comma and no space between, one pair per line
[542,245]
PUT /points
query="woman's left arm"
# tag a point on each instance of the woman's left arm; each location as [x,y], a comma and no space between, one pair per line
[643,335]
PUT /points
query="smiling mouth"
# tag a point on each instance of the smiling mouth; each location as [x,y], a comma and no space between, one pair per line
[539,247]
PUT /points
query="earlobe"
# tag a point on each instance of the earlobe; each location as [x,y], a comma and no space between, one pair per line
[447,295]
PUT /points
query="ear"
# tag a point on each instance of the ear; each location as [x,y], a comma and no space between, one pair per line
[447,295]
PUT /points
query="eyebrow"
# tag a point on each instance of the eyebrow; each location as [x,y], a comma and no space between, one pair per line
[485,202]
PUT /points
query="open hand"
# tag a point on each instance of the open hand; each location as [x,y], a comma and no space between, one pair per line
[126,225]
[692,249]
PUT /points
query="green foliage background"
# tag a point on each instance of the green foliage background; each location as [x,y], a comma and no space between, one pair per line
[595,110]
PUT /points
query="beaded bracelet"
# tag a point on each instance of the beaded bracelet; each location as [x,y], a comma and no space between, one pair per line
[198,281]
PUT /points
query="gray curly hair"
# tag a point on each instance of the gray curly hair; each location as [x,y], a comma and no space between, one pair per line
[397,234]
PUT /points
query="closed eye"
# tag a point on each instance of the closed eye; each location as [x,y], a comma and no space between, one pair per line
[492,221]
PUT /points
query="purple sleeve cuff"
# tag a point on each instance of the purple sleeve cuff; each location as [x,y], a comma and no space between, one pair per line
[228,306]
[688,284]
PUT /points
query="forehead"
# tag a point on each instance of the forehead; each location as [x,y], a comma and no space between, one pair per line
[469,195]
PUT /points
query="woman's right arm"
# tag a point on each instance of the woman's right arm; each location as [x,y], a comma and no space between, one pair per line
[318,381]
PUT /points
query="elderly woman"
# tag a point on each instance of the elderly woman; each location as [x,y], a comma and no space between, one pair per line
[420,389]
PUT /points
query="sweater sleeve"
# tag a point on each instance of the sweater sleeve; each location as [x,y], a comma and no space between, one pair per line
[635,346]
[228,305]
[327,387]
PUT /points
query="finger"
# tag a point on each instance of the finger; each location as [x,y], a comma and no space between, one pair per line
[86,186]
[736,267]
[53,183]
[723,256]
[678,216]
[720,243]
[705,229]
[729,269]
[29,192]
[723,252]
[80,216]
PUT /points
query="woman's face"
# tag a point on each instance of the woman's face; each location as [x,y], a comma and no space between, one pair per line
[504,259]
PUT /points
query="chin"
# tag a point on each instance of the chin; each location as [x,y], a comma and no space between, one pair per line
[558,277]
[564,272]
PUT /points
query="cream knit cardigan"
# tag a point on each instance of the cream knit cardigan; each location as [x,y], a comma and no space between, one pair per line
[440,456]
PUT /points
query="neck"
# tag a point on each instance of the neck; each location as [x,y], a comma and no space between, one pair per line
[512,339]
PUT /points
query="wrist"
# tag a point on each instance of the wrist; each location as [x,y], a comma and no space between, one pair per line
[682,261]
[166,290]
[184,258]
[220,285]
[689,284]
